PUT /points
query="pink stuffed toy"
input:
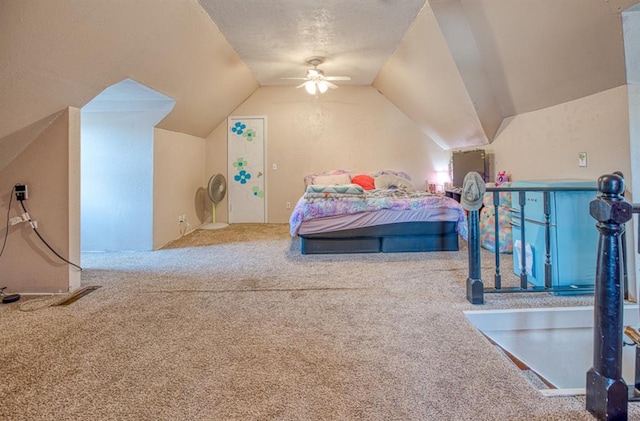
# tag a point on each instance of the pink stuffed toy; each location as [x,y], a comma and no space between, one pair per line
[501,178]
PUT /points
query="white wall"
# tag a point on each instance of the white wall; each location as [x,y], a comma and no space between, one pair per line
[353,127]
[634,180]
[631,29]
[117,181]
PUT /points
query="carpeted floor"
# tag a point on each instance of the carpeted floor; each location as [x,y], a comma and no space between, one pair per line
[236,324]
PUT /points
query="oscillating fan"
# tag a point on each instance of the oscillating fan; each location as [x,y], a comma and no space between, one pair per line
[216,190]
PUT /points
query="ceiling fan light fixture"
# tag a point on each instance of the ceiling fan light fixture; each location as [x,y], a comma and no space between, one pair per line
[322,86]
[310,87]
[315,81]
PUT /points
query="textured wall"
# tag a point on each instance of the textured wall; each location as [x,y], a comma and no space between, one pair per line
[49,167]
[353,128]
[179,171]
[545,144]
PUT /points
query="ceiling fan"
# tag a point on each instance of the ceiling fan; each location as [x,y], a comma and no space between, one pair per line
[316,81]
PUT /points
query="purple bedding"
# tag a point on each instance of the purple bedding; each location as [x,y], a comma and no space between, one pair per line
[364,209]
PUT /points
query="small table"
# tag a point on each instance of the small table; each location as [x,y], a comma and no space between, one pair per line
[453,194]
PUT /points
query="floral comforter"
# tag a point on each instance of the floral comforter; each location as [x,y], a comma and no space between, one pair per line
[319,205]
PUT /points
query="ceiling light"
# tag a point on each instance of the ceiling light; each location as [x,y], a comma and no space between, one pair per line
[322,86]
[315,81]
[310,86]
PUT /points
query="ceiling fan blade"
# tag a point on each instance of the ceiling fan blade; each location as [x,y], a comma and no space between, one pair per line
[301,85]
[294,78]
[331,85]
[337,78]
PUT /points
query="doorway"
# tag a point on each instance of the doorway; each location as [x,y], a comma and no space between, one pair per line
[246,177]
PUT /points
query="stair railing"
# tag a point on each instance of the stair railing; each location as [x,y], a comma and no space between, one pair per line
[607,393]
[475,287]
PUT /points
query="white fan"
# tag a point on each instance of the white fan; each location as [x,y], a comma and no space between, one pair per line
[316,82]
[216,190]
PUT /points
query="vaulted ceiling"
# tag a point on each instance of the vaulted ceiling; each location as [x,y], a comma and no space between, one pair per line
[275,37]
[456,67]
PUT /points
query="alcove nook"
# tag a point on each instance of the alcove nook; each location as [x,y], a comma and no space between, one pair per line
[117,138]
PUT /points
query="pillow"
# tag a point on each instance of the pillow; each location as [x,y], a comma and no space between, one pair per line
[327,180]
[390,172]
[345,189]
[393,182]
[365,181]
[308,179]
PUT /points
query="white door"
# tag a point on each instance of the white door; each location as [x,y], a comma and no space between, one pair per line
[246,138]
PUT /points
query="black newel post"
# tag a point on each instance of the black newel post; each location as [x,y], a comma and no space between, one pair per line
[473,189]
[607,392]
[475,286]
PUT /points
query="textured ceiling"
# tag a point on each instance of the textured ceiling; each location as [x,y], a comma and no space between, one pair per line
[273,38]
[456,67]
[536,52]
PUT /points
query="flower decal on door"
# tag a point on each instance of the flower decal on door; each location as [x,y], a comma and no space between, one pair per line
[238,128]
[240,163]
[250,134]
[257,192]
[242,177]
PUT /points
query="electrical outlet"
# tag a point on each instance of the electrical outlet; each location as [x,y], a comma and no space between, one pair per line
[274,167]
[288,205]
[22,193]
[182,219]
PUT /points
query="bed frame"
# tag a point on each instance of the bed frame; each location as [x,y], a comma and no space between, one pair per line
[390,238]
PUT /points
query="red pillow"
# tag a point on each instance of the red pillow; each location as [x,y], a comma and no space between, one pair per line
[365,181]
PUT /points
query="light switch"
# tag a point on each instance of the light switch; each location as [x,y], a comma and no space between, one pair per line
[274,167]
[582,159]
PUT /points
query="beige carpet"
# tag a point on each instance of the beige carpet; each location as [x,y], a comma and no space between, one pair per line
[236,324]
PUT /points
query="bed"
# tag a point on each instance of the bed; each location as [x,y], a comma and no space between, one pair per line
[341,213]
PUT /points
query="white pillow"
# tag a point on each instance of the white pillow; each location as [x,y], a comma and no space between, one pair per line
[329,180]
[387,181]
